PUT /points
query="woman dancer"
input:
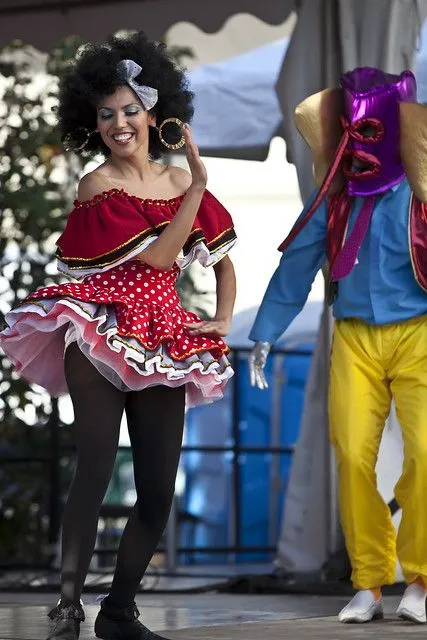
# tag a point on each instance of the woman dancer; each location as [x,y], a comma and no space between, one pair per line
[118,340]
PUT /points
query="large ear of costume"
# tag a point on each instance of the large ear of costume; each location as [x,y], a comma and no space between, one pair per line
[318,119]
[413,146]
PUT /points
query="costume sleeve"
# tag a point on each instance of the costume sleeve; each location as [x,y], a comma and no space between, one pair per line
[291,283]
[213,234]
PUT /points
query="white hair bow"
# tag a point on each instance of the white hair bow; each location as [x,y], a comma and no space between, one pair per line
[129,70]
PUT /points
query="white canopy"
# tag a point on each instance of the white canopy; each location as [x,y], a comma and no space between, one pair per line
[237,111]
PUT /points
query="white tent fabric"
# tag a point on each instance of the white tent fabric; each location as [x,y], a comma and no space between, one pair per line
[303,329]
[237,111]
[382,34]
[309,532]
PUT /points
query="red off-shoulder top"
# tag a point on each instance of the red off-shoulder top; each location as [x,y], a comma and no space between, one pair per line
[114,226]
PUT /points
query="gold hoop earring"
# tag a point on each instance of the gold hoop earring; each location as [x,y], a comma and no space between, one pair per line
[71,143]
[168,145]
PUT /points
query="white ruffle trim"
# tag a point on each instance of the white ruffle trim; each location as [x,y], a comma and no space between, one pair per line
[199,252]
[34,342]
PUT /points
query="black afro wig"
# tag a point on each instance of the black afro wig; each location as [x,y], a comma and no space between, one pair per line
[93,75]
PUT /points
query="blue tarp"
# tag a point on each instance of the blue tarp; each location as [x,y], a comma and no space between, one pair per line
[208,495]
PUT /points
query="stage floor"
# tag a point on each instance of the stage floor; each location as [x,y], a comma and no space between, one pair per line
[214,616]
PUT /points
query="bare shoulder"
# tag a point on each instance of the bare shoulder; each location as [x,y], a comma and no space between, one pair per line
[180,179]
[91,185]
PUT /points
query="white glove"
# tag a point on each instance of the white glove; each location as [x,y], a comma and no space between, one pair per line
[257,360]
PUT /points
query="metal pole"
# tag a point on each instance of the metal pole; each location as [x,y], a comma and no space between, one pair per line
[236,452]
[274,467]
[170,548]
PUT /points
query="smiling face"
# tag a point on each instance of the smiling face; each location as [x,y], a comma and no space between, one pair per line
[123,123]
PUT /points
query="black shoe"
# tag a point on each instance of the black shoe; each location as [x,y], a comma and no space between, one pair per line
[118,623]
[66,619]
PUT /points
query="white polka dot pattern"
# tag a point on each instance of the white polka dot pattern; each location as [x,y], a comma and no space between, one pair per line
[146,307]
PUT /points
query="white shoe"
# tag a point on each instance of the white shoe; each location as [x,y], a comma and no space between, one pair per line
[362,608]
[413,604]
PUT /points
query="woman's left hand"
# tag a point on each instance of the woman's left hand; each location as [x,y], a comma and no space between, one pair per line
[208,327]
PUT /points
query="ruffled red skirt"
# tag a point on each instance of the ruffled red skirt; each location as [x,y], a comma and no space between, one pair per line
[128,322]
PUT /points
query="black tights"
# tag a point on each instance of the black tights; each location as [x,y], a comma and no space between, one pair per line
[155,419]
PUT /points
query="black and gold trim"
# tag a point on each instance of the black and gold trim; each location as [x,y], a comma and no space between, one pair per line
[103,260]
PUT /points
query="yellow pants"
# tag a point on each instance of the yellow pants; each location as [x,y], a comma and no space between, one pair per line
[370,365]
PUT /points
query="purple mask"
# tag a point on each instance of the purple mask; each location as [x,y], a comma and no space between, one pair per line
[371,107]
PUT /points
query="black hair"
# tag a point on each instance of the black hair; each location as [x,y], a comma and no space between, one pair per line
[93,75]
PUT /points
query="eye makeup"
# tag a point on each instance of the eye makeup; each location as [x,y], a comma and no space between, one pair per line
[105,113]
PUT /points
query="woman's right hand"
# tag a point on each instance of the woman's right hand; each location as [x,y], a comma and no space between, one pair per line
[197,168]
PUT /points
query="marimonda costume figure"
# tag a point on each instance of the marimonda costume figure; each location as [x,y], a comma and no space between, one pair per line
[369,220]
